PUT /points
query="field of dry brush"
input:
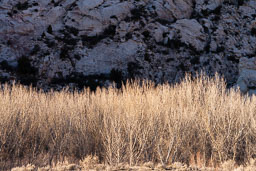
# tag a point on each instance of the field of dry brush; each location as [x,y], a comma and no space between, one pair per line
[196,122]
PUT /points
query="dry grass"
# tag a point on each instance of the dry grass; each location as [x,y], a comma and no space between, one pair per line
[197,122]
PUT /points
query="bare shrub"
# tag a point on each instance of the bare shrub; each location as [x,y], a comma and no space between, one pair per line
[197,122]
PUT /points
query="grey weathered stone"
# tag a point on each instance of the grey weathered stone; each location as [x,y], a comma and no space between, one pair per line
[247,63]
[191,33]
[84,6]
[247,75]
[207,5]
[153,39]
[105,57]
[171,10]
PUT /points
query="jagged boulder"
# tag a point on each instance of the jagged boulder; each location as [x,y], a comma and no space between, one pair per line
[171,10]
[205,7]
[247,75]
[190,33]
[92,17]
[114,56]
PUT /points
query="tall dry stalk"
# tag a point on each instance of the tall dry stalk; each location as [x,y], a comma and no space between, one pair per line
[139,123]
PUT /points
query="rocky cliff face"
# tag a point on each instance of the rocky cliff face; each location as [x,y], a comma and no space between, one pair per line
[94,42]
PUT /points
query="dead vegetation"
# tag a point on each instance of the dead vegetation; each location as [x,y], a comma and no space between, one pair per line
[197,122]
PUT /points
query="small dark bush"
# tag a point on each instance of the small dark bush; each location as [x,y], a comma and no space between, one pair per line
[49,29]
[64,53]
[133,69]
[35,50]
[147,57]
[137,13]
[90,81]
[5,66]
[25,67]
[72,30]
[110,31]
[253,31]
[22,6]
[116,75]
[233,59]
[195,60]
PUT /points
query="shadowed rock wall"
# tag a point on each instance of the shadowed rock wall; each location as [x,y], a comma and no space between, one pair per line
[94,42]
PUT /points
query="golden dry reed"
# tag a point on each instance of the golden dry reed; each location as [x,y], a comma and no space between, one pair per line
[197,121]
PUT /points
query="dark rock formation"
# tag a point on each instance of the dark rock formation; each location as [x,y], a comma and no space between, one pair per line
[112,40]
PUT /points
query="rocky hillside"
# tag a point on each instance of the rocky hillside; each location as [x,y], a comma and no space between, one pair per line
[94,42]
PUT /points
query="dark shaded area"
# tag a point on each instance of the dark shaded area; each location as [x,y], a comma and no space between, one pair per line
[49,43]
[22,6]
[67,39]
[206,63]
[64,53]
[176,43]
[208,46]
[182,67]
[77,57]
[216,11]
[72,30]
[68,36]
[25,67]
[233,59]
[195,60]
[91,41]
[170,59]
[43,36]
[5,66]
[133,69]
[240,157]
[146,35]
[253,31]
[165,22]
[29,80]
[49,29]
[91,81]
[235,2]
[137,13]
[241,2]
[110,31]
[116,75]
[214,14]
[24,73]
[55,3]
[35,49]
[4,80]
[220,49]
[147,57]
[35,4]
[128,36]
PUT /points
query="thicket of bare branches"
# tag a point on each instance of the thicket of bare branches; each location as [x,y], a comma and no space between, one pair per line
[196,121]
